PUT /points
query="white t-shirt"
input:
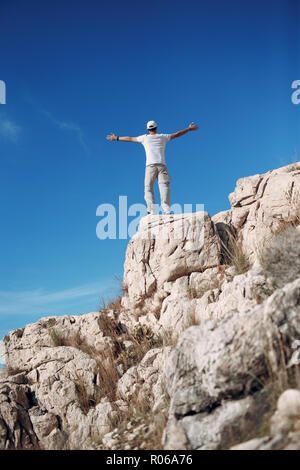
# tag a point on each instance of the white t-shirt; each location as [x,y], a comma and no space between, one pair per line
[155,147]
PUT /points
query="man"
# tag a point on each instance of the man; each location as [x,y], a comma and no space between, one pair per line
[154,145]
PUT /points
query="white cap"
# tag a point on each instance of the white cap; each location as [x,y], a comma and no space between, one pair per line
[151,125]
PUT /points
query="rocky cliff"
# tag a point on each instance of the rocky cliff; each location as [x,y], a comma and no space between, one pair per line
[199,352]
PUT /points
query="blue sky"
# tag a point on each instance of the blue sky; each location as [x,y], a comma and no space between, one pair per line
[76,71]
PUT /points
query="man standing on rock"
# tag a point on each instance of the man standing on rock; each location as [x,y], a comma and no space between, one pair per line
[154,145]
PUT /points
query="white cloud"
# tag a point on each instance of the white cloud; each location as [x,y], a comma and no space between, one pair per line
[63,125]
[8,129]
[38,300]
[69,126]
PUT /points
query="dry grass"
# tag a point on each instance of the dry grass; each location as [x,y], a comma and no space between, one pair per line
[122,286]
[57,339]
[147,426]
[142,339]
[234,253]
[277,353]
[85,401]
[106,364]
[278,254]
[294,166]
[293,198]
[112,362]
[110,326]
[279,257]
[274,386]
[238,258]
[277,377]
[114,304]
[114,301]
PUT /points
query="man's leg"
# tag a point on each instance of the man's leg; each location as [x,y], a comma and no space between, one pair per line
[164,188]
[150,176]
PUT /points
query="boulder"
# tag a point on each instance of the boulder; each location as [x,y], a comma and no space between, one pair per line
[261,205]
[60,408]
[164,249]
[284,426]
[16,428]
[225,361]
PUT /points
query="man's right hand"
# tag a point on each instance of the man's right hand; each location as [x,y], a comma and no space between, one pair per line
[193,127]
[111,137]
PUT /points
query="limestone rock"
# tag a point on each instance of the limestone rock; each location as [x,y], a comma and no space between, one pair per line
[62,412]
[24,343]
[287,416]
[284,426]
[222,360]
[241,292]
[144,381]
[212,330]
[166,248]
[16,430]
[217,428]
[177,314]
[261,204]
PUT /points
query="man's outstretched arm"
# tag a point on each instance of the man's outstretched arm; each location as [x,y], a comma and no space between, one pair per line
[192,127]
[122,139]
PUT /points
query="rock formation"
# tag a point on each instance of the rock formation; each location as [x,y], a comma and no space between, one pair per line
[199,352]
